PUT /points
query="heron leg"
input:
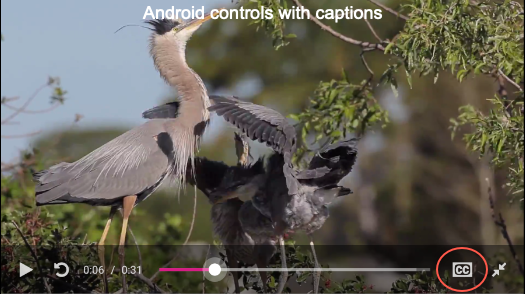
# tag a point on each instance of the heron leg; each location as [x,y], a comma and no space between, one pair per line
[101,251]
[232,263]
[262,274]
[284,274]
[317,272]
[127,205]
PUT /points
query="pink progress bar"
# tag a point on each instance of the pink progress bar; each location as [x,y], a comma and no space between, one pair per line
[191,269]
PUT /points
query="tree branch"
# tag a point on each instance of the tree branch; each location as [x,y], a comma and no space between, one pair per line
[503,227]
[369,80]
[187,237]
[373,30]
[398,14]
[193,217]
[19,110]
[21,135]
[25,105]
[362,44]
[500,72]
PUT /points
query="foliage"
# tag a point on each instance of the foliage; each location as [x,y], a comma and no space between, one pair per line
[420,282]
[499,133]
[462,37]
[274,26]
[338,109]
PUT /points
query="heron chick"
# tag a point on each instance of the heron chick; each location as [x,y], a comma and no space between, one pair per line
[293,200]
[129,168]
[226,187]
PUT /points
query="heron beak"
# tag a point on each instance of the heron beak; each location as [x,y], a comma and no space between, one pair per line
[225,197]
[198,21]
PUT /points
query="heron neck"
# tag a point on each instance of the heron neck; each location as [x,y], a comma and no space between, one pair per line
[169,57]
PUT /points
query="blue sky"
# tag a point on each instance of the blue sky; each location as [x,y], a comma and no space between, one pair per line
[109,77]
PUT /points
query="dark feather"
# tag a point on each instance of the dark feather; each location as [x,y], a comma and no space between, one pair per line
[339,158]
[208,174]
[168,110]
[162,26]
[257,122]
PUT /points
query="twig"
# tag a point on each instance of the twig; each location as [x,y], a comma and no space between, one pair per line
[500,72]
[362,44]
[140,276]
[204,273]
[362,55]
[187,237]
[503,227]
[193,217]
[136,245]
[22,135]
[76,288]
[34,256]
[148,282]
[166,265]
[25,105]
[502,92]
[373,30]
[398,14]
[4,99]
[32,111]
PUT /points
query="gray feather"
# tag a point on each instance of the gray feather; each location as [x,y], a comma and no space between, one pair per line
[250,118]
[111,172]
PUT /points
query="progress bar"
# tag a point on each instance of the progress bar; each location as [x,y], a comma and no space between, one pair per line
[353,269]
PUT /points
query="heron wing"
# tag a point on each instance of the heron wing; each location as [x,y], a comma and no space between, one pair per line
[339,158]
[257,122]
[312,173]
[128,165]
[168,110]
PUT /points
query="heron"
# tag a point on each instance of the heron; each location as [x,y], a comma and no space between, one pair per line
[294,200]
[128,169]
[226,186]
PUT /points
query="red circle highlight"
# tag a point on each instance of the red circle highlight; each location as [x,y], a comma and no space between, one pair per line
[463,248]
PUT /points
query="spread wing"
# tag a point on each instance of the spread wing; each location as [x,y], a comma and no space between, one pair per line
[338,158]
[263,124]
[128,165]
[168,110]
[257,122]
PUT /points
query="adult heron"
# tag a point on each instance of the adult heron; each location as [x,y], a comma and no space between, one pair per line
[294,200]
[128,169]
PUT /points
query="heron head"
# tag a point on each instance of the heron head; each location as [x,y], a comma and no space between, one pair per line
[240,182]
[179,29]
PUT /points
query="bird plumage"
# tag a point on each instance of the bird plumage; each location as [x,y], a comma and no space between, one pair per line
[134,163]
[293,199]
[168,110]
[130,164]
